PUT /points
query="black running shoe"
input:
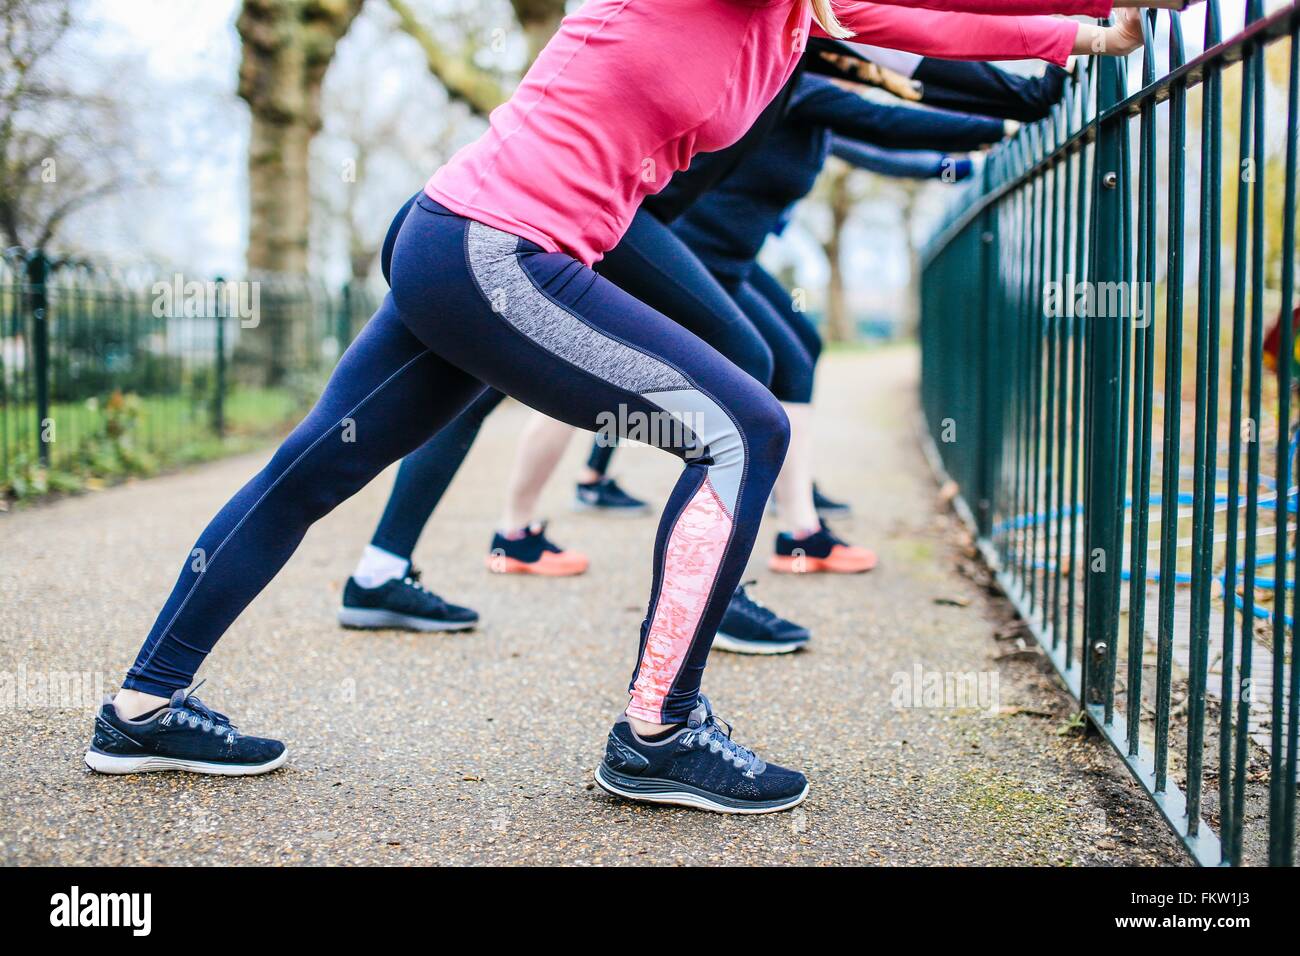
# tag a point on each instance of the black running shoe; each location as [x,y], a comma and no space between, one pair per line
[402,603]
[184,735]
[750,628]
[605,496]
[828,508]
[698,766]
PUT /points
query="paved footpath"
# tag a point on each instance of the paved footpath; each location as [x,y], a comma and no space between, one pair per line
[479,748]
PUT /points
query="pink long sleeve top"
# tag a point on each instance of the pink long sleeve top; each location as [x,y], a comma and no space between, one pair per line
[627,91]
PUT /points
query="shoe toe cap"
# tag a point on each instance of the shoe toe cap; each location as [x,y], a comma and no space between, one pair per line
[779,782]
[789,631]
[261,749]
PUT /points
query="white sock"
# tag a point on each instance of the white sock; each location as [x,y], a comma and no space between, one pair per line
[378,566]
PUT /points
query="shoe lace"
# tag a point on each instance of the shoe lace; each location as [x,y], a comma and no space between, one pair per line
[715,733]
[754,610]
[540,534]
[412,579]
[188,708]
[830,535]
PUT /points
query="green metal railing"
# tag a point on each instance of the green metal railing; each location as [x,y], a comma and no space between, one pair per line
[1095,377]
[106,373]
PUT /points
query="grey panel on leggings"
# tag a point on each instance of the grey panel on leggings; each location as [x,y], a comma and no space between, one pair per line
[502,280]
[714,427]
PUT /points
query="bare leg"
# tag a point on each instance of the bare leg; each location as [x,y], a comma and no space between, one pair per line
[541,446]
[794,485]
[131,704]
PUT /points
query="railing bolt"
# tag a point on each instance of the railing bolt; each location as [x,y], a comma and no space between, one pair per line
[1099,650]
[1110,180]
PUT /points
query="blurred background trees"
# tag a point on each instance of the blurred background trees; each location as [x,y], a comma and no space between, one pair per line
[65,139]
[234,136]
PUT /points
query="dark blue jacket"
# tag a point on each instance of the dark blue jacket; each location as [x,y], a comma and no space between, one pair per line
[729,224]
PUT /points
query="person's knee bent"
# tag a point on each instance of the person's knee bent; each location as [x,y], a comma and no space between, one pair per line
[743,434]
[774,430]
[765,427]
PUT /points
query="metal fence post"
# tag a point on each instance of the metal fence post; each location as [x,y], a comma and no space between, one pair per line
[38,302]
[219,385]
[1103,521]
[989,421]
[343,330]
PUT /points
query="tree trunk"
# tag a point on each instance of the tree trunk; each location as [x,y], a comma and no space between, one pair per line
[287,47]
[279,197]
[839,325]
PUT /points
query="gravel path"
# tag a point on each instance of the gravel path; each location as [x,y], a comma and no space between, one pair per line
[478,748]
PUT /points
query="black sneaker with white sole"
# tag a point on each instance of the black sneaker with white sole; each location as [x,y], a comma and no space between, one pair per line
[184,735]
[402,604]
[699,766]
[606,496]
[750,628]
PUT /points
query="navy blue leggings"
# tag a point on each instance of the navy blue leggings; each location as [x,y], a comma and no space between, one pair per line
[424,476]
[787,332]
[652,264]
[762,282]
[790,339]
[473,306]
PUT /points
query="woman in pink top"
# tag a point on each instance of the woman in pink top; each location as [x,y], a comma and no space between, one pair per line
[491,285]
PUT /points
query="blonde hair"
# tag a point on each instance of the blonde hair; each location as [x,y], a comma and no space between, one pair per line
[825,16]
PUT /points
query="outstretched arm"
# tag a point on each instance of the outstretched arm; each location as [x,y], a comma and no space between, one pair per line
[846,9]
[819,102]
[971,32]
[902,164]
[983,88]
[963,36]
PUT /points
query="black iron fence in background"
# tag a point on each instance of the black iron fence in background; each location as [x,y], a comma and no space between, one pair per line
[1100,378]
[108,373]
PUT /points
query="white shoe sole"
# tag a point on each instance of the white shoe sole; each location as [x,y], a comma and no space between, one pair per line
[725,643]
[377,620]
[692,799]
[107,763]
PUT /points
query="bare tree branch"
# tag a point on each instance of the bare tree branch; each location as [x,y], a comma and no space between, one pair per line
[465,82]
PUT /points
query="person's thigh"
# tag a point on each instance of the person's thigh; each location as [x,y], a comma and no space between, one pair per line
[546,330]
[653,265]
[779,298]
[792,366]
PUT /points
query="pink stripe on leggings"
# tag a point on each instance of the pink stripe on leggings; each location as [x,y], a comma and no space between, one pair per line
[691,562]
